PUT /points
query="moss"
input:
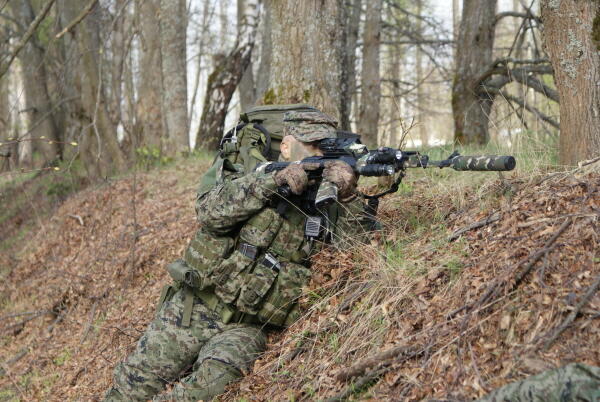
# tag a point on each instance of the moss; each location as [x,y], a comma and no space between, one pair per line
[269,98]
[596,30]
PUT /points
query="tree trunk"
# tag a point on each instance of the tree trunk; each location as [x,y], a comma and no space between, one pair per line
[473,57]
[7,150]
[223,81]
[307,53]
[352,19]
[421,107]
[246,87]
[266,49]
[38,104]
[100,150]
[149,128]
[370,83]
[173,23]
[572,40]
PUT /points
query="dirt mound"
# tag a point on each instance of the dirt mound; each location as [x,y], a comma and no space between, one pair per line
[87,285]
[520,298]
[408,315]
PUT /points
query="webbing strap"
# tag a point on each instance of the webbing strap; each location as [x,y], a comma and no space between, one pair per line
[163,296]
[188,305]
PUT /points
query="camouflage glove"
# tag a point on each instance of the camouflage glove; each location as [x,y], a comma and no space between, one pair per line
[294,176]
[342,175]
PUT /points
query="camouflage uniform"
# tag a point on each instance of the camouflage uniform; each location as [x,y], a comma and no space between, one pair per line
[573,382]
[217,337]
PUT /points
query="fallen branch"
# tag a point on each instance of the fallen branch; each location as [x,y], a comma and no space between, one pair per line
[573,314]
[358,385]
[401,352]
[490,219]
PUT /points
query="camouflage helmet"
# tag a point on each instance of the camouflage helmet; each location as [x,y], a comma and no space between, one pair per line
[309,126]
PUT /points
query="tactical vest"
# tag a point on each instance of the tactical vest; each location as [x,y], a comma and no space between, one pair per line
[259,272]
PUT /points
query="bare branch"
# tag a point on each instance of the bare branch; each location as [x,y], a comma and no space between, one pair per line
[86,11]
[515,14]
[525,106]
[30,31]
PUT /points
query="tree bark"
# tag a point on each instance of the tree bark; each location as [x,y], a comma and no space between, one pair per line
[246,87]
[38,104]
[307,53]
[473,57]
[572,40]
[266,49]
[351,26]
[223,81]
[7,151]
[421,107]
[149,124]
[370,77]
[173,23]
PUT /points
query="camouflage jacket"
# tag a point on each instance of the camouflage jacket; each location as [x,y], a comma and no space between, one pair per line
[255,258]
[222,210]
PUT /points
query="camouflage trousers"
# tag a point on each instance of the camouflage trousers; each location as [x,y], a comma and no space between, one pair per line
[208,355]
[570,383]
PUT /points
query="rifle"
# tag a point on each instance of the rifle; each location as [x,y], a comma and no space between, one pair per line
[383,161]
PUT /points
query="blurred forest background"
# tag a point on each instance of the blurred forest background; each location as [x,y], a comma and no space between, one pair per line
[105,83]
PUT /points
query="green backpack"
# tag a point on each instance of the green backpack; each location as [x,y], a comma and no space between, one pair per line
[255,139]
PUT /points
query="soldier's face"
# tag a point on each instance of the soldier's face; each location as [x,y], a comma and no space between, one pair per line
[293,150]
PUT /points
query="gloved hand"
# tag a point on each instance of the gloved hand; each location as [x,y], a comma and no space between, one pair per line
[294,176]
[342,175]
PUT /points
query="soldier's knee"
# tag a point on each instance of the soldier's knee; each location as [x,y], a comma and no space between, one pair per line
[208,380]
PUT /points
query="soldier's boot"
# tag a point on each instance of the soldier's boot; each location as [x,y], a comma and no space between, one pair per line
[223,359]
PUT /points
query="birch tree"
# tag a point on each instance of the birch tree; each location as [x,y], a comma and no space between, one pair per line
[223,81]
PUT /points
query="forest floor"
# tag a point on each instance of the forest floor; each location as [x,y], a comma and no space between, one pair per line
[411,314]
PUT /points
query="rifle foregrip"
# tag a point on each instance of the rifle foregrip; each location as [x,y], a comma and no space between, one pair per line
[484,163]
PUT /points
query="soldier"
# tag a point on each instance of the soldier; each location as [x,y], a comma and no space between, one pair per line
[242,273]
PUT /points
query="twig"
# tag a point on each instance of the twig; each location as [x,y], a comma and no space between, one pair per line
[90,321]
[571,317]
[13,315]
[477,373]
[490,219]
[27,36]
[12,360]
[88,9]
[77,217]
